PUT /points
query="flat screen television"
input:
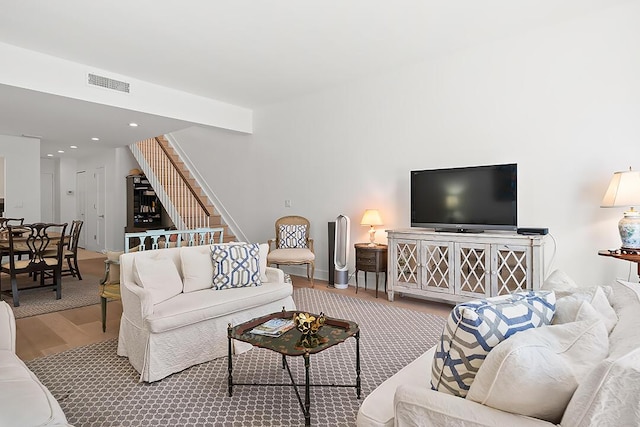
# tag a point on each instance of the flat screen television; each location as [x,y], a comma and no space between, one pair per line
[467,199]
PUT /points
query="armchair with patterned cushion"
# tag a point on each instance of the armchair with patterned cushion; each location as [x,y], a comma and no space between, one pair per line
[293,244]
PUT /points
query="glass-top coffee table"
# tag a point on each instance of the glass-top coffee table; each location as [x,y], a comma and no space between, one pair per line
[293,343]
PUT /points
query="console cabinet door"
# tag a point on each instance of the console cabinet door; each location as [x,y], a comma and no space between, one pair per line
[406,259]
[510,272]
[438,267]
[472,269]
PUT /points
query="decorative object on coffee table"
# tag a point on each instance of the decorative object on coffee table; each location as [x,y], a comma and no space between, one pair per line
[308,324]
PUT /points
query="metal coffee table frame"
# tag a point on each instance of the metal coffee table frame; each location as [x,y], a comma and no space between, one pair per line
[334,331]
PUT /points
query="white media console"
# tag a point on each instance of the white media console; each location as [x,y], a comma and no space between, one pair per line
[457,267]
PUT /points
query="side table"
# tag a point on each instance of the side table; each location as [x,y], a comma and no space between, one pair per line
[620,255]
[371,259]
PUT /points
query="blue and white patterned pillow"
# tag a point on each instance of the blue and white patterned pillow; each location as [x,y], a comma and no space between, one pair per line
[475,327]
[292,236]
[235,265]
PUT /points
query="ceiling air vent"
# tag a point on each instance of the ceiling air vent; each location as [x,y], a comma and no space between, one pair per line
[108,83]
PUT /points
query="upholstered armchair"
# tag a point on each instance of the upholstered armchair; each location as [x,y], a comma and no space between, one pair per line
[292,245]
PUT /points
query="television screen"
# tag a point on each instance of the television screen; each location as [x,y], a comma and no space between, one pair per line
[465,199]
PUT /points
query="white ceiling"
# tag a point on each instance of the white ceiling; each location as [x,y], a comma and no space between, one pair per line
[245,52]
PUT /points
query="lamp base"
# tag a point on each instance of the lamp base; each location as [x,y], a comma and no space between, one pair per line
[629,228]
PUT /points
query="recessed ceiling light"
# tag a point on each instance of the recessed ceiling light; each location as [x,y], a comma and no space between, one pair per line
[95,139]
[60,151]
[49,155]
[133,125]
[73,146]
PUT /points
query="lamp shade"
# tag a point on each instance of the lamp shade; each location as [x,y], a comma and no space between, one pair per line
[371,217]
[624,190]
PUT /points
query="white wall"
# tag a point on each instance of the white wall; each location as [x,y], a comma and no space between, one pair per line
[563,102]
[22,171]
[1,177]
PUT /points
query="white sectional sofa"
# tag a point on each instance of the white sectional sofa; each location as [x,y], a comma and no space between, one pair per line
[24,400]
[174,318]
[607,392]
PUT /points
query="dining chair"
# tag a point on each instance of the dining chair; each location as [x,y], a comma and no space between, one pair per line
[292,244]
[71,250]
[4,242]
[40,238]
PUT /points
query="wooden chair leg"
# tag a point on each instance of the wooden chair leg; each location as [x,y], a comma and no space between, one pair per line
[75,263]
[103,305]
[73,272]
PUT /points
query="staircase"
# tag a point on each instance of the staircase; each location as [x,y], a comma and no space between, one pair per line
[180,194]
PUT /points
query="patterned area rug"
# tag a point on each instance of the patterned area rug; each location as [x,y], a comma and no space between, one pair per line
[95,387]
[75,293]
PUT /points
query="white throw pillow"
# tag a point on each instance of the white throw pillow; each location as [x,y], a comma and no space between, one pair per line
[197,269]
[597,297]
[574,310]
[158,274]
[535,372]
[559,282]
[264,251]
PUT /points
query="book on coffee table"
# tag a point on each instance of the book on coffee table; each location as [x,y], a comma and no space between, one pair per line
[273,327]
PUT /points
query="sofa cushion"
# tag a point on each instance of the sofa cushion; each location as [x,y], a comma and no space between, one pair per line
[292,236]
[197,268]
[158,273]
[25,400]
[475,327]
[235,266]
[193,307]
[535,372]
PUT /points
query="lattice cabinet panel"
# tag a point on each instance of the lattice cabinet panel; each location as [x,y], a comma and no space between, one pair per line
[438,271]
[457,267]
[511,270]
[406,262]
[473,266]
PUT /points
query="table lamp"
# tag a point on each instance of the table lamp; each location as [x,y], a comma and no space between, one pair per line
[624,190]
[371,217]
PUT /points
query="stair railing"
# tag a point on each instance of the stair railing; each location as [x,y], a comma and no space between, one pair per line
[176,194]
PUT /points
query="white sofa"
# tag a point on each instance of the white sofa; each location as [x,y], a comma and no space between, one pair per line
[24,400]
[172,321]
[607,394]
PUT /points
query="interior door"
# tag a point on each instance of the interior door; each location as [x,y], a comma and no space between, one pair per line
[81,205]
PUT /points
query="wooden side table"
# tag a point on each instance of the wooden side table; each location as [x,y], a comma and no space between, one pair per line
[371,259]
[618,254]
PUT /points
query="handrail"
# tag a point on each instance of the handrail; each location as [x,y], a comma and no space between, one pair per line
[185,180]
[178,197]
[161,239]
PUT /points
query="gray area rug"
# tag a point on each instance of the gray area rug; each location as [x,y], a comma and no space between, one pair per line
[75,293]
[95,387]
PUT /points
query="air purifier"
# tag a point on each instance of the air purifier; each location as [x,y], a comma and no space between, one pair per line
[341,252]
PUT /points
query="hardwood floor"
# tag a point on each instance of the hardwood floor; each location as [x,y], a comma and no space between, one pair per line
[52,333]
